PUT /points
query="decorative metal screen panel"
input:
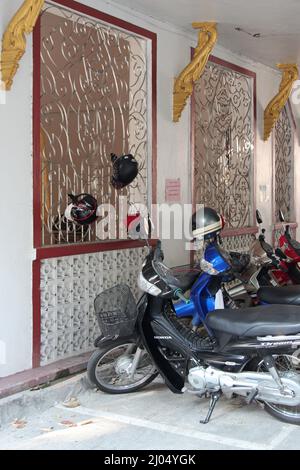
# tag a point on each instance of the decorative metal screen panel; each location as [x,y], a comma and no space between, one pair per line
[224,143]
[94,102]
[284,166]
[240,243]
[69,286]
[277,232]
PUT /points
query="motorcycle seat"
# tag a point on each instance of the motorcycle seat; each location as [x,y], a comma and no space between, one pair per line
[288,295]
[256,321]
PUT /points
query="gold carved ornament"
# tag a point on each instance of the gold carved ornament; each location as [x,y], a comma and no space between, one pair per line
[272,111]
[183,86]
[14,40]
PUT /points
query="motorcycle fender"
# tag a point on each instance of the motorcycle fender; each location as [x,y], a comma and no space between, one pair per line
[105,340]
[173,379]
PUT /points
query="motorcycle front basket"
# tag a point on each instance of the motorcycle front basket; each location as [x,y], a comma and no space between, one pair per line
[116,311]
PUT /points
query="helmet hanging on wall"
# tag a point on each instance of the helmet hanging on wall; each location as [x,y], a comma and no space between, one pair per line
[82,210]
[125,170]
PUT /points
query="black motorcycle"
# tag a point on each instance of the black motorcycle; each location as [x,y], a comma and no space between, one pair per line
[247,353]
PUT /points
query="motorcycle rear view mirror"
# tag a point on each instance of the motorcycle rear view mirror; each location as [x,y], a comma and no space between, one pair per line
[281,216]
[258,217]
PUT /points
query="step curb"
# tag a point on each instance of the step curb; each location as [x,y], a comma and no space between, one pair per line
[31,402]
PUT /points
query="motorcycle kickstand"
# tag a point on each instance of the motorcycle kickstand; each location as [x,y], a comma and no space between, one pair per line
[213,401]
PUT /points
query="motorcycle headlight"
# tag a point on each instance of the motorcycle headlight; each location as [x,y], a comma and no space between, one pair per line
[208,268]
[146,286]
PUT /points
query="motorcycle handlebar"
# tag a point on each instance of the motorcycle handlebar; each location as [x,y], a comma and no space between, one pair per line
[278,265]
[275,260]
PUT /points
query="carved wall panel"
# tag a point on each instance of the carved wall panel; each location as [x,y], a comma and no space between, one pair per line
[69,286]
[284,166]
[224,143]
[94,102]
[239,243]
[277,232]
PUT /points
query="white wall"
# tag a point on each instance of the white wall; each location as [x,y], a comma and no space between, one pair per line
[16,212]
[173,162]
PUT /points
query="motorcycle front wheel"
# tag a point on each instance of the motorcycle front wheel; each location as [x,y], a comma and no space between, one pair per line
[287,366]
[121,367]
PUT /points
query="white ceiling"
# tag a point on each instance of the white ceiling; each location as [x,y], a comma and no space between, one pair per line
[278,22]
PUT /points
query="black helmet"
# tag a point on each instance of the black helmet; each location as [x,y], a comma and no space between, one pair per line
[206,223]
[125,170]
[82,210]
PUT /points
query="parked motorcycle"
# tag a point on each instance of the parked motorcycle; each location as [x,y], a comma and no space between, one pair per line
[232,280]
[262,266]
[286,271]
[291,250]
[247,353]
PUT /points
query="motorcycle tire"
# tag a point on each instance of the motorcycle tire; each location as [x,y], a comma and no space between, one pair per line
[281,415]
[94,378]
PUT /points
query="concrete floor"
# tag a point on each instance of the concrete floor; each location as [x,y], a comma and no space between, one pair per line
[151,419]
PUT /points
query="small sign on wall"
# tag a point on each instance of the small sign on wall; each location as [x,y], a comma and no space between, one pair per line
[173,190]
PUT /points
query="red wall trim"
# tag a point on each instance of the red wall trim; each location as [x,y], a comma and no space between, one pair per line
[154,119]
[233,232]
[192,159]
[37,235]
[36,304]
[85,248]
[36,265]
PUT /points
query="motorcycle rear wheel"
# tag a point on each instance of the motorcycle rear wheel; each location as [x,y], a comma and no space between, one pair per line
[285,364]
[109,368]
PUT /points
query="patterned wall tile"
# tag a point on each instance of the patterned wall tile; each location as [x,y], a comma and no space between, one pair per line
[69,286]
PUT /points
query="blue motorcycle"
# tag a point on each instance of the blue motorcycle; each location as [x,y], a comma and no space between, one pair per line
[206,292]
[206,288]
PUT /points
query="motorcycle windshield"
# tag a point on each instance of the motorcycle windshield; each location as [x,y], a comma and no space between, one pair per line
[181,277]
[217,257]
